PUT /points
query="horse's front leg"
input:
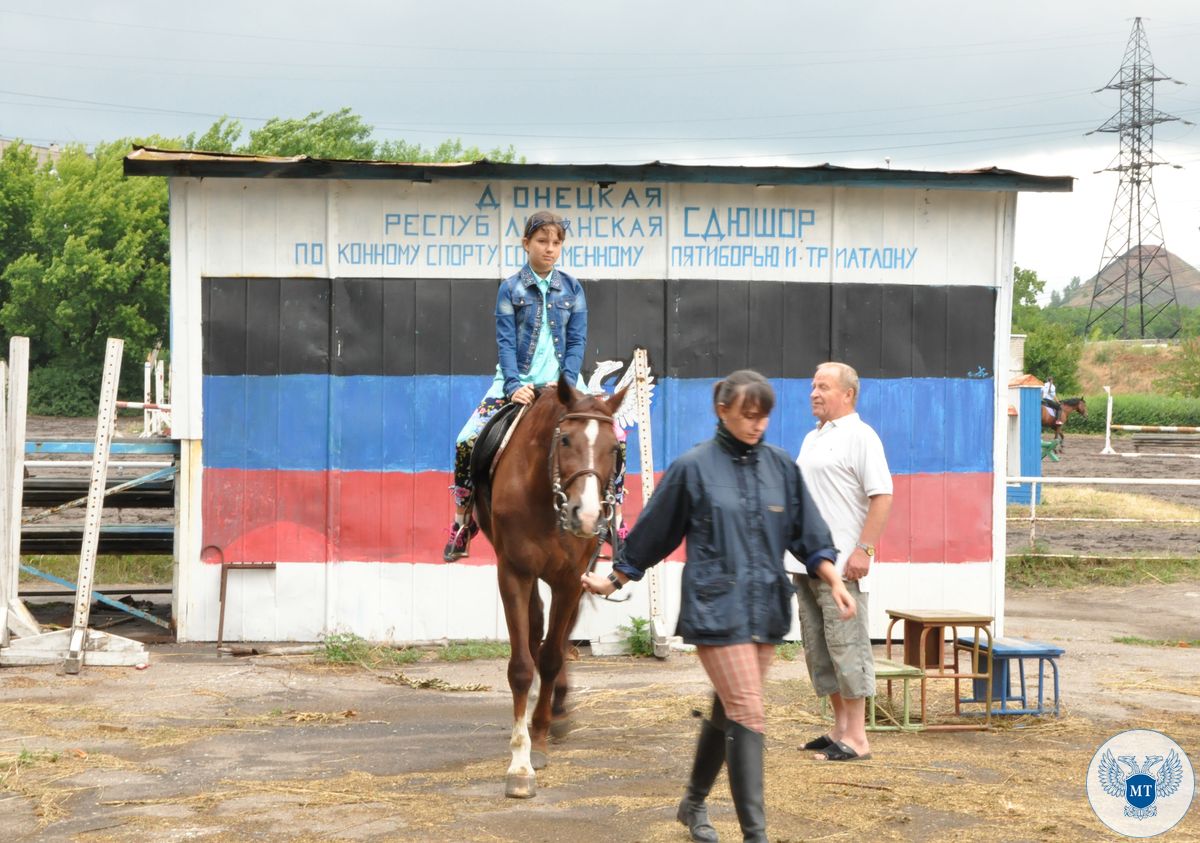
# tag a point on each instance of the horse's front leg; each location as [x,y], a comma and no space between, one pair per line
[564,604]
[520,781]
[560,715]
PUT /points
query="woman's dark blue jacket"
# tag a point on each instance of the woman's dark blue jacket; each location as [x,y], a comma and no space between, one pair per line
[740,508]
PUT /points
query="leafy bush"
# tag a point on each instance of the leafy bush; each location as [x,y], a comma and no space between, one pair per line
[637,633]
[63,390]
[1136,409]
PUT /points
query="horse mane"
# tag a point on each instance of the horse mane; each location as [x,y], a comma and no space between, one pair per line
[1073,402]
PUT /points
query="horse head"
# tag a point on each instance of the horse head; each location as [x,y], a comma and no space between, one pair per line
[1079,405]
[583,459]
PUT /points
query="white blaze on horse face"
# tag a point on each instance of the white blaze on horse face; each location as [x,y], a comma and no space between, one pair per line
[521,764]
[589,501]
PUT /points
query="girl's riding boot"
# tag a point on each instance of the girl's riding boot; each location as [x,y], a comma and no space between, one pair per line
[710,755]
[744,758]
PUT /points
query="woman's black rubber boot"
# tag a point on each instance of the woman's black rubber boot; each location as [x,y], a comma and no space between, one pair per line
[710,756]
[744,758]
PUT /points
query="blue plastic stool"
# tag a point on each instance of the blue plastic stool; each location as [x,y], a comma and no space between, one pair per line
[1005,651]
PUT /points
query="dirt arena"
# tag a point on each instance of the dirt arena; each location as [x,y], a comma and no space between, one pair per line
[1081,457]
[201,747]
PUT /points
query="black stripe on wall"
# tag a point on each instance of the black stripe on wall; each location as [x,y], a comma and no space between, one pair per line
[692,329]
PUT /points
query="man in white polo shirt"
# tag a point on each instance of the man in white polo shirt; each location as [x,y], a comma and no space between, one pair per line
[846,473]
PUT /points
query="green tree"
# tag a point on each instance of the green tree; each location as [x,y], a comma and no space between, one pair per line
[1054,351]
[1026,315]
[221,136]
[342,134]
[448,150]
[96,267]
[1182,376]
[18,184]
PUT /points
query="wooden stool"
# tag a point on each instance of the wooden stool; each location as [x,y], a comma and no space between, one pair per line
[888,671]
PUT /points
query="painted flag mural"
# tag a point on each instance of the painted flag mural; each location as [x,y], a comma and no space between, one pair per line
[331,406]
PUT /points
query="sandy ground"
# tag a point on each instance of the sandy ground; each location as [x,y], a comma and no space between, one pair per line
[282,748]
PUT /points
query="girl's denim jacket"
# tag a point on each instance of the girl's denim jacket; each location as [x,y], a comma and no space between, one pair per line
[519,323]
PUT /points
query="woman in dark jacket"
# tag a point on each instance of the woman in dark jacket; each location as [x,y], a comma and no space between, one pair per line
[740,503]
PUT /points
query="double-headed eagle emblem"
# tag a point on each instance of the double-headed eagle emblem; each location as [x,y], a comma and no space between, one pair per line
[626,414]
[1140,787]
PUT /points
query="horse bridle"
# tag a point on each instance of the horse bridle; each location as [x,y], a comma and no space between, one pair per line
[559,487]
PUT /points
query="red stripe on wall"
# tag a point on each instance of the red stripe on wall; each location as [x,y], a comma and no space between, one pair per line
[313,516]
[939,518]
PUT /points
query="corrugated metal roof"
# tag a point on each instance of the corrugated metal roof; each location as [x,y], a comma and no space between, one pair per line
[149,161]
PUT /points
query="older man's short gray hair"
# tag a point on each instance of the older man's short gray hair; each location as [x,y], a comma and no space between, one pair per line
[847,377]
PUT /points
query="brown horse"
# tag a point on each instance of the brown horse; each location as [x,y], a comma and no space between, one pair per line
[550,496]
[1065,408]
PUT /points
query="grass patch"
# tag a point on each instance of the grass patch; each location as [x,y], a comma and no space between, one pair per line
[1026,571]
[1155,642]
[465,651]
[1082,502]
[110,570]
[789,651]
[348,648]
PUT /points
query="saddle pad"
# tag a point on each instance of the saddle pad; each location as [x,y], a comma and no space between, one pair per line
[486,445]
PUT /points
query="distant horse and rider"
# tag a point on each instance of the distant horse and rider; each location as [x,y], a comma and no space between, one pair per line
[1055,413]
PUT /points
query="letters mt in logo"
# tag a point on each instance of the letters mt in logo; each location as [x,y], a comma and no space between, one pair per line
[1141,787]
[1140,783]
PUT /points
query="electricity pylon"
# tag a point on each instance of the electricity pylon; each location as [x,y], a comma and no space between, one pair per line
[1135,267]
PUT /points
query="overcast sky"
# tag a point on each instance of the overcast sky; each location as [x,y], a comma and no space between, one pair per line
[930,85]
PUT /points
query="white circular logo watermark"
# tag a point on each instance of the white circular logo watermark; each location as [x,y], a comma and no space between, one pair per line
[1140,783]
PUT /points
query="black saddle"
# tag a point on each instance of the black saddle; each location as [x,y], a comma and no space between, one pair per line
[487,444]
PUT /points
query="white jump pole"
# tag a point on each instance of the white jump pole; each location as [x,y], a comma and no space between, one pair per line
[147,397]
[20,621]
[5,521]
[1108,448]
[160,392]
[641,386]
[1155,428]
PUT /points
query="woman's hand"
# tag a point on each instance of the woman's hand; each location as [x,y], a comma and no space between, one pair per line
[596,584]
[524,395]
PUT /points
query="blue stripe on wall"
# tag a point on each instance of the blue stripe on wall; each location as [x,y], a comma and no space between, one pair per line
[374,423]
